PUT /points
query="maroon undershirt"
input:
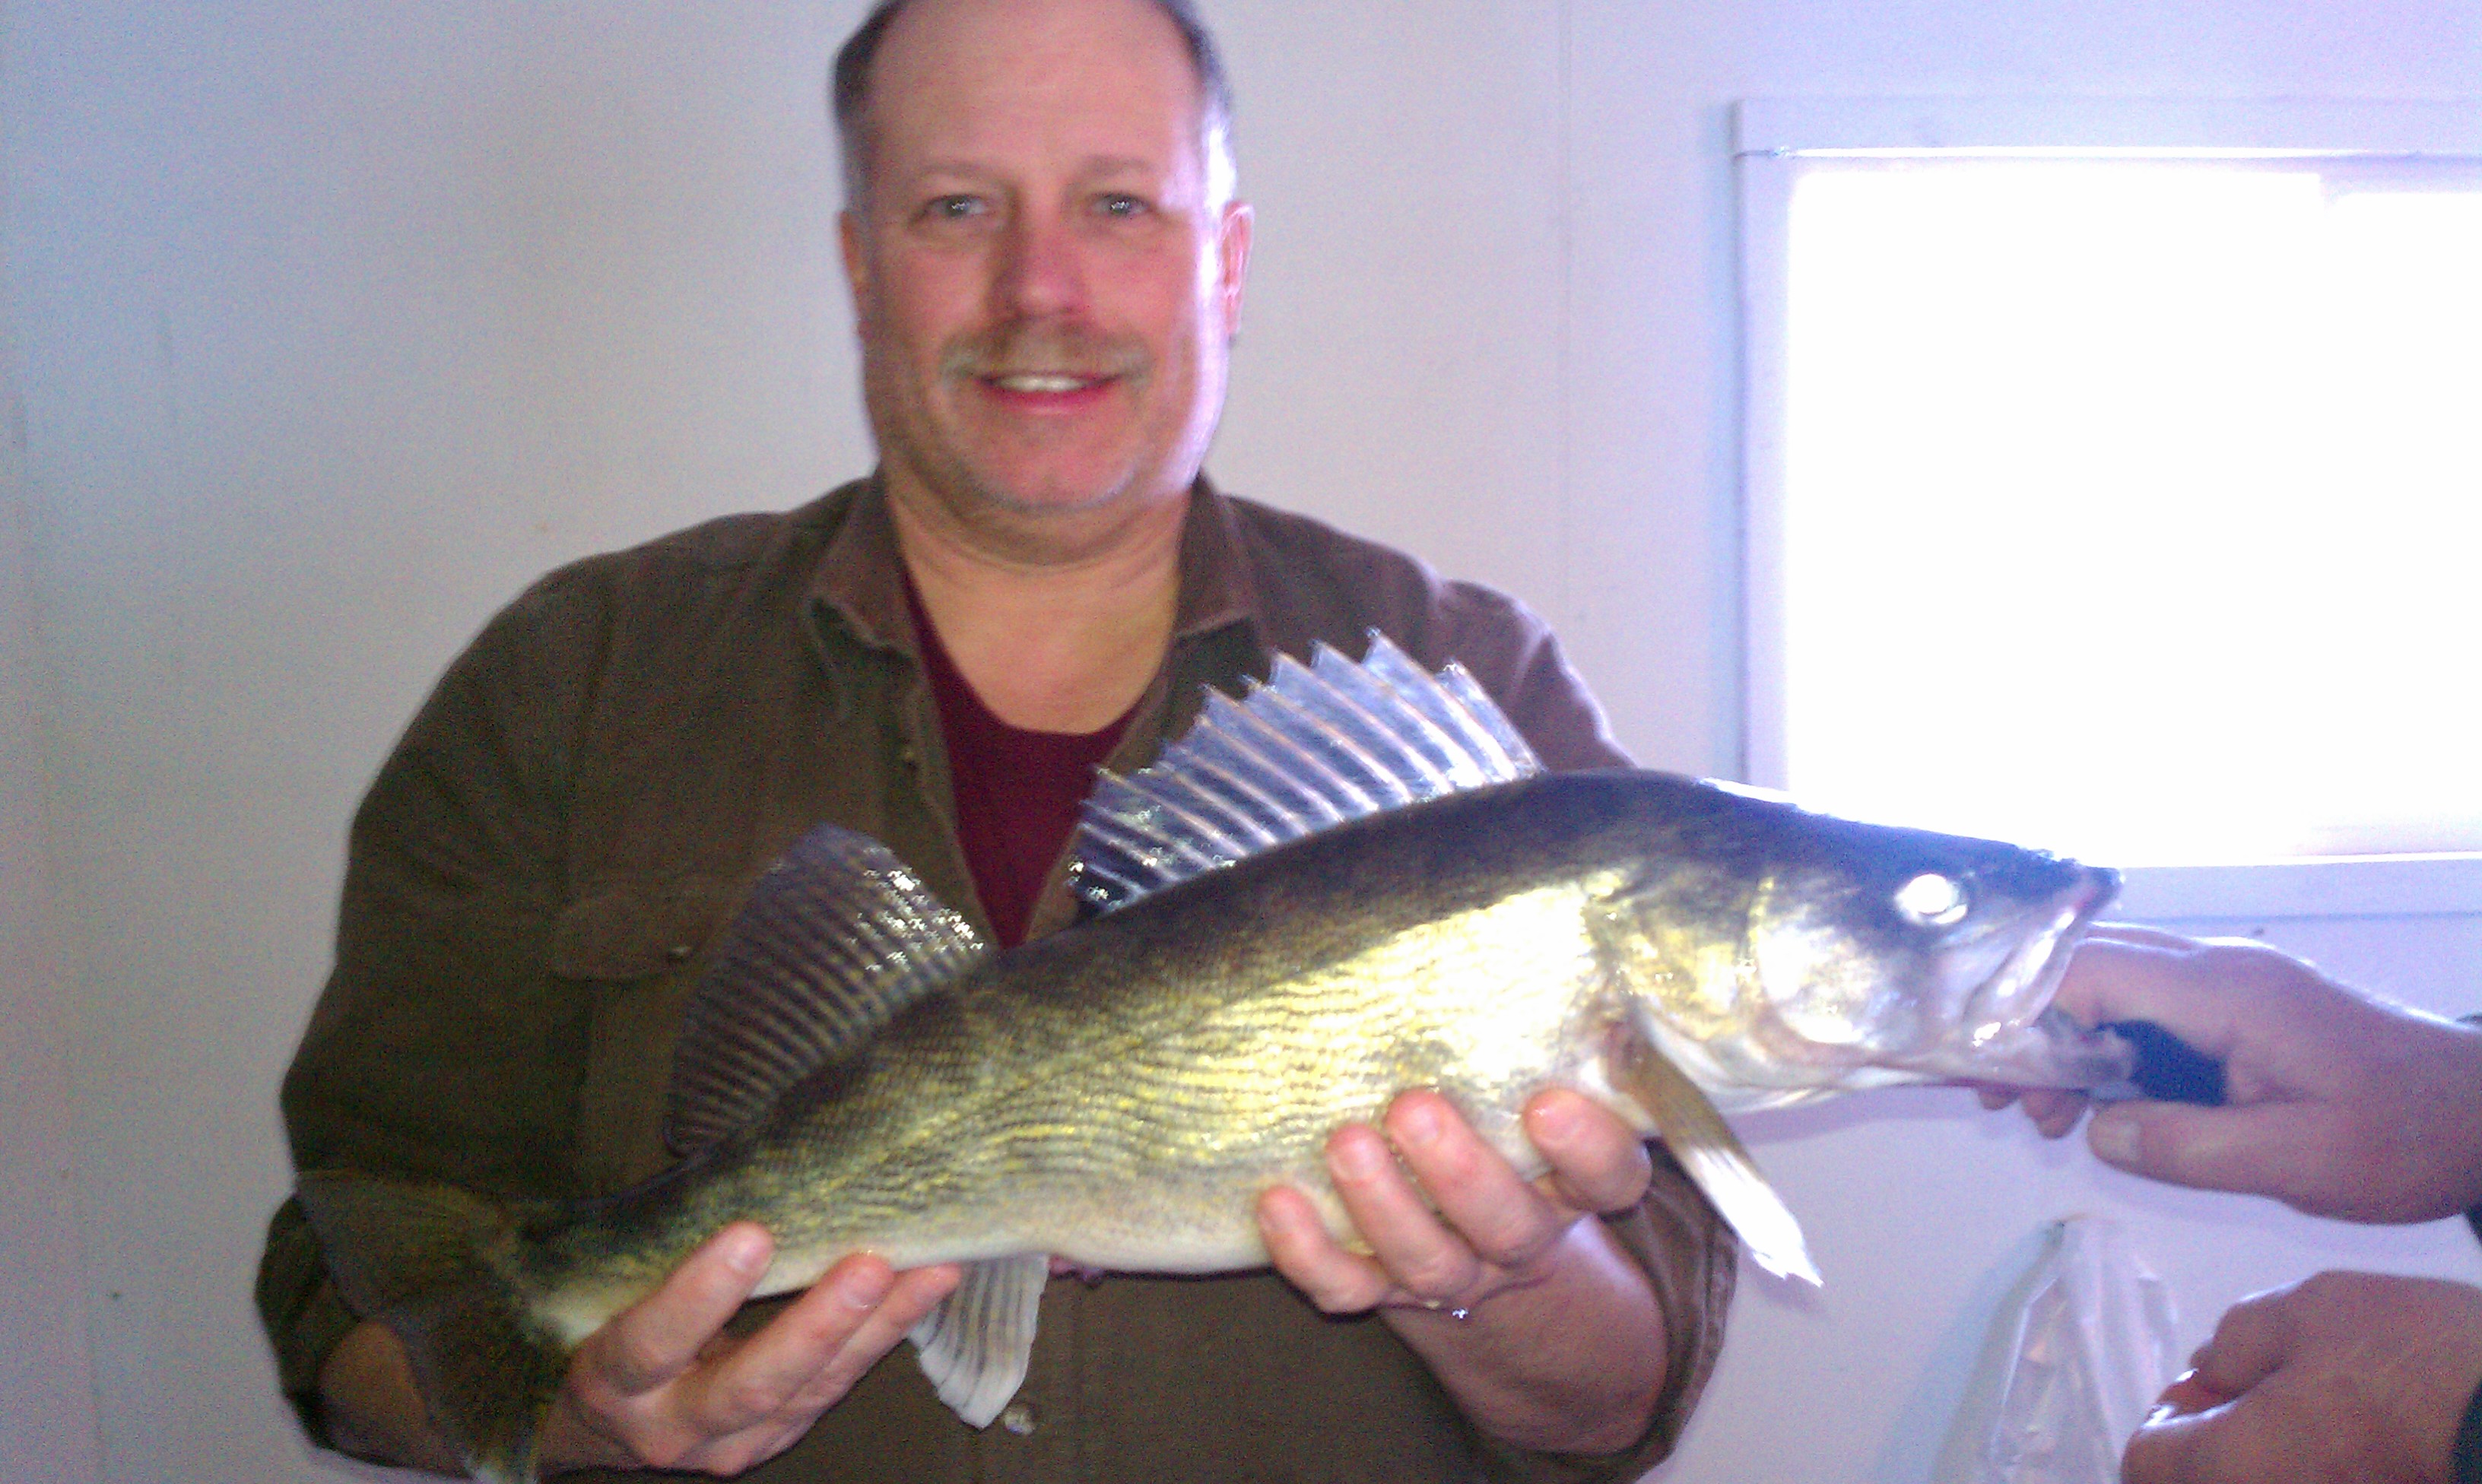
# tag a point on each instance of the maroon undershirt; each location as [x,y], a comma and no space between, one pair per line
[1016,792]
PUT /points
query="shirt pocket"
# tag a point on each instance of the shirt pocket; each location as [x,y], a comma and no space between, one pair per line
[636,949]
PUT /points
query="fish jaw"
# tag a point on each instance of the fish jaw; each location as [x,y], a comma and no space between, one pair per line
[2052,1051]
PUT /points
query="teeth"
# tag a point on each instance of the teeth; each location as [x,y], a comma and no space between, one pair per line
[1041,383]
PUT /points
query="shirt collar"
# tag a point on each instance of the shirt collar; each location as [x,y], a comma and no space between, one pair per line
[1216,590]
[860,582]
[859,579]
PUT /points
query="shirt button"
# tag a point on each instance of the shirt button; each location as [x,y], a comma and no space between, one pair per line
[1017,1417]
[679,952]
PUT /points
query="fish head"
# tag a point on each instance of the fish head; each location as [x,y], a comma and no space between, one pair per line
[1893,942]
[1870,954]
[1919,954]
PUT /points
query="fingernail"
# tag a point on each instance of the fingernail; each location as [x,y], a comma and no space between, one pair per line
[865,1286]
[2114,1140]
[1555,1119]
[1360,1157]
[1418,1124]
[745,1252]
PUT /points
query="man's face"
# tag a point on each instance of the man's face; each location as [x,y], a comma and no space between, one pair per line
[1045,290]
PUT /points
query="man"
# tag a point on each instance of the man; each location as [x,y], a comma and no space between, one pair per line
[1047,265]
[2340,1105]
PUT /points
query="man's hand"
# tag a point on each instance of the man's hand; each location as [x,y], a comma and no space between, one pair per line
[2338,1103]
[661,1386]
[2348,1378]
[1536,1320]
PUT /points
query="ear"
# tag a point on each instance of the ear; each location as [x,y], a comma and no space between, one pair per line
[1232,262]
[849,230]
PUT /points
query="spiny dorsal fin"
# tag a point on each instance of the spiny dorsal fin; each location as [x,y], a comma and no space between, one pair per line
[836,938]
[1315,746]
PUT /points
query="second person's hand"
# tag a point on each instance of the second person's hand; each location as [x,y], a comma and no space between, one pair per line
[2337,1102]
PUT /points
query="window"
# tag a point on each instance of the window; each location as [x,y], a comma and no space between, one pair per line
[2115,481]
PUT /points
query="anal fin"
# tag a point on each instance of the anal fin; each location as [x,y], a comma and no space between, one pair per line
[976,1345]
[1713,1156]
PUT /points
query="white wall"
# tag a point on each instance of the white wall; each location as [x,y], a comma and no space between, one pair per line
[336,322]
[47,1421]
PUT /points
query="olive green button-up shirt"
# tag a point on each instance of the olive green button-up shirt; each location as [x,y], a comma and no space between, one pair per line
[539,868]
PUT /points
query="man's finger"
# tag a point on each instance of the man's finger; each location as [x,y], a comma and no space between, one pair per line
[2251,1342]
[1334,1280]
[658,1338]
[2053,1110]
[767,1371]
[2242,1442]
[2133,932]
[1407,1238]
[2260,1150]
[2208,1428]
[2186,1394]
[908,1299]
[1489,1210]
[2167,1449]
[2118,978]
[1598,1161]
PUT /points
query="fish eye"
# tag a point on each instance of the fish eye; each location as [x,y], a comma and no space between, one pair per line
[1933,900]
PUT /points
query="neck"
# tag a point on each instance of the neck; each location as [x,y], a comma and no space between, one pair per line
[1058,621]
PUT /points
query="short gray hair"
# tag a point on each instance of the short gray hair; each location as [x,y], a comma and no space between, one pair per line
[851,94]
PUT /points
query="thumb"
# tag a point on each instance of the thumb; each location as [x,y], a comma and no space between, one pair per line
[2243,1149]
[658,1338]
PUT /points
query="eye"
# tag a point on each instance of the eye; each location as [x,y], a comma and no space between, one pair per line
[1120,205]
[1933,900]
[953,208]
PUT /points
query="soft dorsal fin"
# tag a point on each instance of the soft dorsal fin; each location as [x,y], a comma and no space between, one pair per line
[1315,746]
[836,938]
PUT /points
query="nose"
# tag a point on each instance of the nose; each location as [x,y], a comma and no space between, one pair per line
[1040,273]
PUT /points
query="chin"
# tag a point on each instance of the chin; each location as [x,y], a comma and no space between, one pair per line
[1054,494]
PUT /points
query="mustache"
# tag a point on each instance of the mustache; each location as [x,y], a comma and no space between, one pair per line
[1027,349]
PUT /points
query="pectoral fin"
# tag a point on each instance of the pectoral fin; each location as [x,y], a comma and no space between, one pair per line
[975,1346]
[1707,1147]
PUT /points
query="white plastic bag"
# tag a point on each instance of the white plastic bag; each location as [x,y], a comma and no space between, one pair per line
[2093,1338]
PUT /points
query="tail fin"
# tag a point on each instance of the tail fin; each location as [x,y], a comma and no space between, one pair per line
[435,1263]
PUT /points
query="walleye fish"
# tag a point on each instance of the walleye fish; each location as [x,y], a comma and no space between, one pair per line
[1358,880]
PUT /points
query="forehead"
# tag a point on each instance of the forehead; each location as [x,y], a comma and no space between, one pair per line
[992,83]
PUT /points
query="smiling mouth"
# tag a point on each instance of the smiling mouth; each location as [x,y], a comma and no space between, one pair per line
[1044,383]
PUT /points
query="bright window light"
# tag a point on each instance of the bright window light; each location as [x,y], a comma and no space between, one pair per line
[2130,505]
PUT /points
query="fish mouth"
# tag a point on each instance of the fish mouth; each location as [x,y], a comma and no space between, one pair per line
[2022,987]
[2014,1035]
